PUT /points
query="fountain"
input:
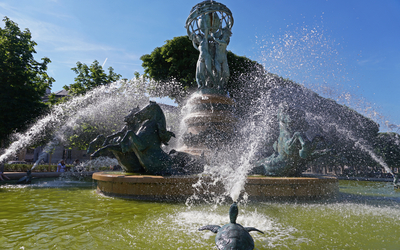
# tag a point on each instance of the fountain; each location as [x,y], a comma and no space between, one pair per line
[212,129]
[70,214]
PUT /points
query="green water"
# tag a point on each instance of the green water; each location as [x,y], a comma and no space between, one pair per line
[56,214]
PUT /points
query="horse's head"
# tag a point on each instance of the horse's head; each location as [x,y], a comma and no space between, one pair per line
[129,119]
[153,112]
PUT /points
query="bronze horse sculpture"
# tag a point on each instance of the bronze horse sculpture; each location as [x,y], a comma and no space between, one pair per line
[109,146]
[138,145]
[293,149]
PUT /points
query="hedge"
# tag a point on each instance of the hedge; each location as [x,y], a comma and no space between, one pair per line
[26,167]
[40,168]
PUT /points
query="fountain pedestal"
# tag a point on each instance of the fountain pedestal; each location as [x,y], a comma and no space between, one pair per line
[210,122]
[146,187]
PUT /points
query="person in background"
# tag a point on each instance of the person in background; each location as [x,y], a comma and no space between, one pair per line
[61,166]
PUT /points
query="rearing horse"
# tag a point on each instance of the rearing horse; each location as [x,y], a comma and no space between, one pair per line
[146,142]
[138,145]
[293,149]
[110,145]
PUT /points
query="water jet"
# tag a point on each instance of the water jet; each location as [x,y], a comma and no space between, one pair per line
[65,213]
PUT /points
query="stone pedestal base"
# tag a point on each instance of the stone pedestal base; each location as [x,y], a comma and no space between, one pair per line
[210,120]
[144,187]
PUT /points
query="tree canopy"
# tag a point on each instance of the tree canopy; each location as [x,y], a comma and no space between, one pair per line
[90,77]
[23,80]
[177,60]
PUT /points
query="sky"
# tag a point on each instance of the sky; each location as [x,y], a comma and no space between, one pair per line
[347,50]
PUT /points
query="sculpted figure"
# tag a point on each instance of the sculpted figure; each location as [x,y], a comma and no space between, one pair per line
[107,142]
[221,60]
[209,28]
[139,149]
[131,124]
[204,63]
[232,235]
[26,179]
[110,145]
[146,142]
[293,149]
[96,144]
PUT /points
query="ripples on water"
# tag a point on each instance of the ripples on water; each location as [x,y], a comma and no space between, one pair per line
[67,214]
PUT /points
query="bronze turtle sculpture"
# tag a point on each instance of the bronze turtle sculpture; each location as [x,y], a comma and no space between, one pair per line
[232,235]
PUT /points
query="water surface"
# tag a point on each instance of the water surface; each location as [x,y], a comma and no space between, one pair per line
[65,214]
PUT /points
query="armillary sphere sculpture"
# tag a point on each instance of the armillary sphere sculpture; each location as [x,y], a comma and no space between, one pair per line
[209,28]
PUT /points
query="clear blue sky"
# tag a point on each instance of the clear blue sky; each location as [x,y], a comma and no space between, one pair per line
[348,50]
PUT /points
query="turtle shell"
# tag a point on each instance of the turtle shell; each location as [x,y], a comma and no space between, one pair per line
[234,236]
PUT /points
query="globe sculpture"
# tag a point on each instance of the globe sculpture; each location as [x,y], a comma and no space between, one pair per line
[209,28]
[210,122]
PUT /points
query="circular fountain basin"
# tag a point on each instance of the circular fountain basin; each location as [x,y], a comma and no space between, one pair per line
[147,187]
[68,214]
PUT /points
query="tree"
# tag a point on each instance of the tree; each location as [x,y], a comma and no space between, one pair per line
[90,77]
[177,60]
[54,100]
[23,80]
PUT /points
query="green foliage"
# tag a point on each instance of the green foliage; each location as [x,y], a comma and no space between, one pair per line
[23,80]
[44,168]
[17,167]
[90,77]
[26,167]
[53,100]
[84,133]
[177,60]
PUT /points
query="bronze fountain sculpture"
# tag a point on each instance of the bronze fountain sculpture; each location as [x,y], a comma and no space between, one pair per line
[137,146]
[292,149]
[232,235]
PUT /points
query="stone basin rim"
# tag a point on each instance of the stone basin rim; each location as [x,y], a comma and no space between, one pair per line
[105,176]
[151,187]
